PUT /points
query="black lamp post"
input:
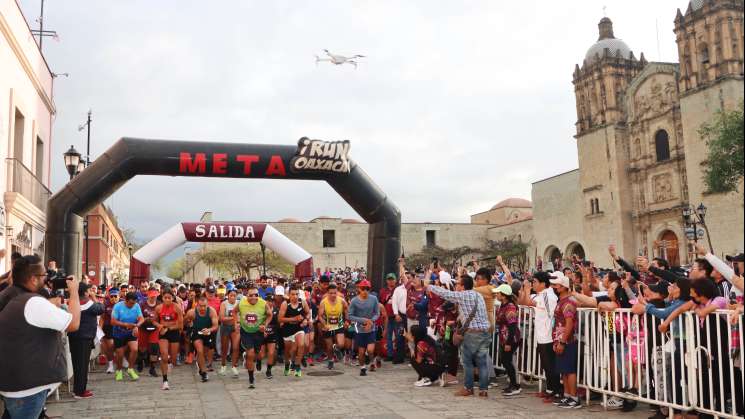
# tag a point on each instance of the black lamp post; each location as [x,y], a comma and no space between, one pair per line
[72,161]
[693,217]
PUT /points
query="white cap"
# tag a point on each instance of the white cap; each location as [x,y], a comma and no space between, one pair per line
[558,278]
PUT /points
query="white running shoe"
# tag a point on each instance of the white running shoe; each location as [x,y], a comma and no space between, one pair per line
[165,386]
[223,370]
[425,382]
[110,369]
[234,370]
[613,403]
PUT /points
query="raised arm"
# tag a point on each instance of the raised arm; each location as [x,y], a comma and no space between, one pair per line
[687,306]
[584,300]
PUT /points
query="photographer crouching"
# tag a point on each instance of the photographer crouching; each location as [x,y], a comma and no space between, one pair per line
[31,353]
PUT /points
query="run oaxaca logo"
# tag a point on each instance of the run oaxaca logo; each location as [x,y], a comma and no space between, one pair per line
[321,156]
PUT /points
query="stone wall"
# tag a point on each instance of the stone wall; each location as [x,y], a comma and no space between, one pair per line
[557,214]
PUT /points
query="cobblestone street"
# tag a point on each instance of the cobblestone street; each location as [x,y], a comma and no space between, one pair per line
[388,393]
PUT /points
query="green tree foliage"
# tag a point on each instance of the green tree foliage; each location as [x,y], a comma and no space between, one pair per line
[446,257]
[238,261]
[723,170]
[176,269]
[514,253]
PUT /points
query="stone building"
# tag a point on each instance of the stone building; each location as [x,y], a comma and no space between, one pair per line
[109,251]
[26,115]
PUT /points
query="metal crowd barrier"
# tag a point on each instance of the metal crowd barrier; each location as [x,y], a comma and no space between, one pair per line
[696,365]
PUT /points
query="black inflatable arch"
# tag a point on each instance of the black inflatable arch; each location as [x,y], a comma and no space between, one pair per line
[130,157]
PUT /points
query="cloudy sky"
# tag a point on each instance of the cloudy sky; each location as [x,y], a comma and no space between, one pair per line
[458,105]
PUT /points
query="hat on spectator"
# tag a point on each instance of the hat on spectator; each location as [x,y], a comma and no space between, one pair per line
[364,283]
[740,257]
[504,289]
[153,293]
[391,276]
[558,278]
[114,291]
[446,279]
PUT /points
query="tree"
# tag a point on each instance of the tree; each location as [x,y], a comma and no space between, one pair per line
[176,269]
[238,261]
[514,253]
[723,168]
[446,257]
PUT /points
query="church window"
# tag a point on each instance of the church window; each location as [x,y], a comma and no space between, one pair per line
[704,54]
[597,206]
[329,238]
[431,238]
[662,145]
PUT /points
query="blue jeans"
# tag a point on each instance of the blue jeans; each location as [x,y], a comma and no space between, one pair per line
[390,334]
[475,347]
[26,407]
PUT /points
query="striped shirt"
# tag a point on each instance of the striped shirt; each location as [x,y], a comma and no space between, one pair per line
[466,301]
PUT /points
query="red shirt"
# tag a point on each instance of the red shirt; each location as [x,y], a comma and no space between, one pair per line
[214,303]
[385,298]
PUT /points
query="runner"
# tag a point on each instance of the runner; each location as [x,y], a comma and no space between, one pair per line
[214,301]
[271,334]
[254,315]
[126,318]
[310,328]
[107,343]
[229,334]
[331,314]
[189,348]
[147,341]
[364,311]
[380,349]
[170,323]
[293,317]
[204,326]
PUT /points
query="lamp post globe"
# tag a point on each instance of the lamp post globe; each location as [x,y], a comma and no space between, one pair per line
[72,161]
[701,211]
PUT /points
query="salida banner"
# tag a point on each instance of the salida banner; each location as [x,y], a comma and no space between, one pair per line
[321,156]
[223,232]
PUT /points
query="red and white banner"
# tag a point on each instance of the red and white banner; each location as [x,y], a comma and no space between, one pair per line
[219,232]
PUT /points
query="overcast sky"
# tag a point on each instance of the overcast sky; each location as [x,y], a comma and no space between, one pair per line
[459,105]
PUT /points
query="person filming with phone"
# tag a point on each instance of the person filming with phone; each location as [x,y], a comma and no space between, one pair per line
[32,359]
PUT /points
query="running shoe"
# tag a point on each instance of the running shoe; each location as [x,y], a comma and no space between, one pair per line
[251,386]
[87,394]
[204,376]
[330,365]
[424,382]
[511,391]
[258,365]
[152,372]
[110,369]
[269,375]
[132,374]
[223,370]
[165,386]
[570,403]
[287,370]
[363,372]
[613,403]
[119,375]
[559,401]
[209,367]
[298,373]
[234,370]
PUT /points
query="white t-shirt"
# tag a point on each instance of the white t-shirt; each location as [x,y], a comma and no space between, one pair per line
[41,313]
[545,305]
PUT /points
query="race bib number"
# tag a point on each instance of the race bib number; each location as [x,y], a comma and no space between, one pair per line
[251,318]
[167,318]
[334,320]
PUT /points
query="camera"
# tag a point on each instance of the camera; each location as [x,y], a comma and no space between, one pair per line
[58,280]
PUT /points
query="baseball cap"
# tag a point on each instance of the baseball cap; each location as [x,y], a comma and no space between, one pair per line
[211,288]
[740,257]
[114,291]
[504,289]
[660,288]
[558,278]
[391,276]
[364,283]
[153,293]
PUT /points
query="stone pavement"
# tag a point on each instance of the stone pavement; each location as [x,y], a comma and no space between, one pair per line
[387,393]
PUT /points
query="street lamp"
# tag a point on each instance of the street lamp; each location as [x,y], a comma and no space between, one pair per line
[693,217]
[72,161]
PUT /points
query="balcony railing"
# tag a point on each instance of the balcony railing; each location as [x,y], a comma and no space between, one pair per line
[23,181]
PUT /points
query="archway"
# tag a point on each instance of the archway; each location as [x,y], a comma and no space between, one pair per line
[310,160]
[223,232]
[574,248]
[667,247]
[552,254]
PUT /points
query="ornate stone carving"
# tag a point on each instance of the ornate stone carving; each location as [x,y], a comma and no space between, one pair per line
[658,100]
[663,187]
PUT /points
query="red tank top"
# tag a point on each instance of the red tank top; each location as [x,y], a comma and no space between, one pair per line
[168,313]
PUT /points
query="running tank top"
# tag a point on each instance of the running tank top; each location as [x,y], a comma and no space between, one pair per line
[333,313]
[168,313]
[273,326]
[200,322]
[229,307]
[252,316]
[290,329]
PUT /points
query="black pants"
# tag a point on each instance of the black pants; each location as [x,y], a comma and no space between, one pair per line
[508,362]
[426,370]
[80,353]
[548,363]
[451,358]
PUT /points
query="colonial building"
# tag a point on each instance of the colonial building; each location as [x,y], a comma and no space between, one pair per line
[26,115]
[108,258]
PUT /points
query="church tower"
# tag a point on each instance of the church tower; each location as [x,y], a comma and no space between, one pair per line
[599,85]
[710,47]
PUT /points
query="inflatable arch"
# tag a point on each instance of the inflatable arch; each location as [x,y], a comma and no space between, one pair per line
[309,160]
[223,232]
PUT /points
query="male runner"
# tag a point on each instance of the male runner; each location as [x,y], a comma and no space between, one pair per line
[294,316]
[214,301]
[107,343]
[204,326]
[271,334]
[364,312]
[332,311]
[147,341]
[126,318]
[253,315]
[229,333]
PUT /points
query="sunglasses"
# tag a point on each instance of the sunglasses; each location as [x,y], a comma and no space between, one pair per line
[253,295]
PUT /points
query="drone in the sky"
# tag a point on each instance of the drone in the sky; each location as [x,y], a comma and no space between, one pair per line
[339,59]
